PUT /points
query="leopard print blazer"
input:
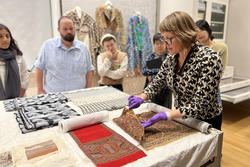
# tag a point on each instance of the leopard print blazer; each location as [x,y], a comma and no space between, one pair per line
[195,86]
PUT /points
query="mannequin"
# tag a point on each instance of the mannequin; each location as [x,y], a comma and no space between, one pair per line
[108,5]
[138,14]
[78,11]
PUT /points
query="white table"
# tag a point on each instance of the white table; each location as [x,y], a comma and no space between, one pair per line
[193,150]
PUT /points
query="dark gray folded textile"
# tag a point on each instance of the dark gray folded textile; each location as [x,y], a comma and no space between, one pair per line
[36,117]
[17,103]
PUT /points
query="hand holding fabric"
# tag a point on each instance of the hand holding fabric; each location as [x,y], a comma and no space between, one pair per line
[157,117]
[134,102]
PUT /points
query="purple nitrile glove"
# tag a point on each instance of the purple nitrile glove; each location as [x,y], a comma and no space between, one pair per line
[134,101]
[157,117]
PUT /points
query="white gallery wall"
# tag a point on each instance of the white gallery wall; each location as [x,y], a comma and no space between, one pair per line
[128,8]
[169,6]
[238,36]
[30,24]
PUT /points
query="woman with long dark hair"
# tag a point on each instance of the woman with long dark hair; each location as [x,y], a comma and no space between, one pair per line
[13,74]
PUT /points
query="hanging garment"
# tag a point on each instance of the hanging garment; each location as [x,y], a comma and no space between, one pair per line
[86,31]
[111,21]
[139,45]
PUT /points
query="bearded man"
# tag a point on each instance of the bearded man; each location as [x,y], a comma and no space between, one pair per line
[63,63]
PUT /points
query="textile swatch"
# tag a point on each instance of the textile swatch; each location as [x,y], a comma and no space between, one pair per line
[40,149]
[158,134]
[17,103]
[36,117]
[6,159]
[98,99]
[105,147]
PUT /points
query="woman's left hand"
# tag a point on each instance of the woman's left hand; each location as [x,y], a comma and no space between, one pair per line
[156,118]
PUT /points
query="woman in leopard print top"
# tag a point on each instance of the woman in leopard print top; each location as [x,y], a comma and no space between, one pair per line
[192,72]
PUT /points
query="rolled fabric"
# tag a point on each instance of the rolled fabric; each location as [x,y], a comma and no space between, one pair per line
[83,121]
[195,123]
[191,122]
[157,108]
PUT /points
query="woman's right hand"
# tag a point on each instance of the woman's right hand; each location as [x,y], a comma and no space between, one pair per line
[134,102]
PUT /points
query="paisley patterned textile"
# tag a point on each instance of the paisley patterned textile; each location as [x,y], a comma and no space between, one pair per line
[105,147]
[160,133]
[135,129]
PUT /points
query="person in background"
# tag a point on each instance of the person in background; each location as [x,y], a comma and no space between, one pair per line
[152,67]
[63,63]
[205,37]
[14,78]
[192,72]
[112,64]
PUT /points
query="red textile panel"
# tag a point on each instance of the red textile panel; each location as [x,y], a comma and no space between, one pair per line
[105,147]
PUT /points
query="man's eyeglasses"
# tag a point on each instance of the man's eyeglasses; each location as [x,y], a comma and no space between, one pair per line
[168,40]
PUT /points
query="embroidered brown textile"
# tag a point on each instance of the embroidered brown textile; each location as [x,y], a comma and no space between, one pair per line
[6,159]
[130,123]
[160,133]
[40,149]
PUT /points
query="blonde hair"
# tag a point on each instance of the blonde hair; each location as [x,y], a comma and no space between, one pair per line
[182,25]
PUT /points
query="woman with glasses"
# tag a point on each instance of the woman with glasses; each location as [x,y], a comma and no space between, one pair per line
[192,72]
[14,77]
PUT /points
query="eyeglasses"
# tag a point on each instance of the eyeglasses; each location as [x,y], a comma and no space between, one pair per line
[168,40]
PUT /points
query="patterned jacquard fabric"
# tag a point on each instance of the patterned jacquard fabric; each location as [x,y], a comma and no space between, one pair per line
[195,86]
[36,117]
[17,103]
[136,57]
[98,99]
[86,28]
[105,147]
[111,21]
[158,134]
